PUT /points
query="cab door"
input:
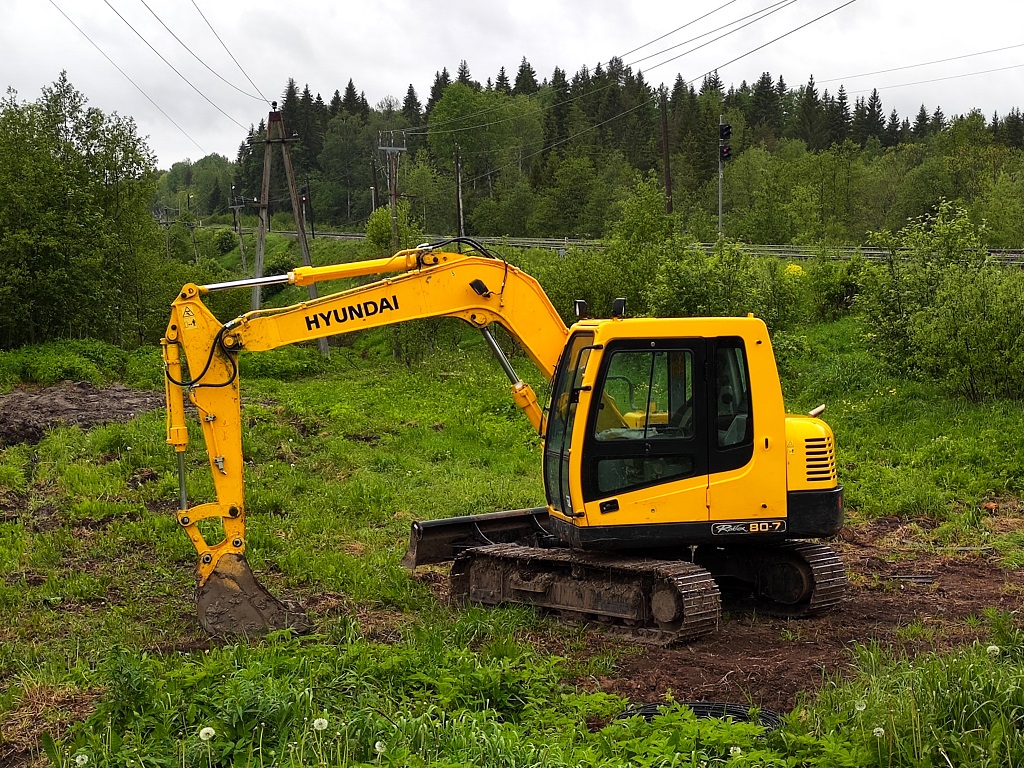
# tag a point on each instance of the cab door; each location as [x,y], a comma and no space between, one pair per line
[646,450]
[561,422]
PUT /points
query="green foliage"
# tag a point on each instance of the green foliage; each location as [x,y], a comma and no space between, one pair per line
[938,308]
[80,360]
[78,246]
[285,364]
[379,230]
[835,284]
[956,709]
[729,282]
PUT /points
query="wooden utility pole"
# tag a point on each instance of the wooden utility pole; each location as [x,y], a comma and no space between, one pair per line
[373,183]
[458,195]
[665,153]
[392,143]
[276,135]
[236,206]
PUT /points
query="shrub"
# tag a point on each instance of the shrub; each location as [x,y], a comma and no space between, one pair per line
[938,308]
[729,283]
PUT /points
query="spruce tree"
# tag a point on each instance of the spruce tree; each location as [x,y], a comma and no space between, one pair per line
[526,80]
[502,83]
[920,129]
[350,101]
[441,82]
[412,111]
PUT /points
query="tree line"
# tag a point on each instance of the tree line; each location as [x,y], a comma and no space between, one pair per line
[557,156]
[94,240]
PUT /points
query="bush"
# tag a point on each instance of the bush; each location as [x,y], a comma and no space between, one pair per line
[973,336]
[379,231]
[278,263]
[77,360]
[729,283]
[834,285]
[938,308]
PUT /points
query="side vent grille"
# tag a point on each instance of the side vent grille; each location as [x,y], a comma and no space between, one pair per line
[821,460]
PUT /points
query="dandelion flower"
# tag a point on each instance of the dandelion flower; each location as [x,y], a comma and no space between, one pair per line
[379,747]
[735,751]
[320,724]
[879,732]
[861,705]
[207,733]
[993,650]
[81,760]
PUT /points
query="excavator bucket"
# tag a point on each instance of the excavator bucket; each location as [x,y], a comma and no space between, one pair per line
[233,602]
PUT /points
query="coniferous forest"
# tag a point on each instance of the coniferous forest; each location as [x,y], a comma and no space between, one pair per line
[555,156]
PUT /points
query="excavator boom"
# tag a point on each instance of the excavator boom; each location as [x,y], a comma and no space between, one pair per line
[425,283]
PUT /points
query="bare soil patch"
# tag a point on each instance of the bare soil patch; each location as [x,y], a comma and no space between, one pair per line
[26,414]
[909,599]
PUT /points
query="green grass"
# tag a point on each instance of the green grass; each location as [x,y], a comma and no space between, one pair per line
[905,448]
[96,584]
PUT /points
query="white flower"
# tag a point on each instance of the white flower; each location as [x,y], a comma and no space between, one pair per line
[879,732]
[207,733]
[379,747]
[861,705]
[993,650]
[81,760]
[320,724]
[735,751]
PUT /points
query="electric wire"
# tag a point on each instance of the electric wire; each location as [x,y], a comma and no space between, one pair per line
[165,61]
[939,79]
[126,77]
[775,40]
[224,46]
[764,13]
[196,57]
[652,100]
[923,64]
[421,130]
[677,29]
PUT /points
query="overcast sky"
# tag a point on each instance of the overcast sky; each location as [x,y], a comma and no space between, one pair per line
[384,45]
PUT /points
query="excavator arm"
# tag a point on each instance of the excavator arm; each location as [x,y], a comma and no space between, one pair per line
[479,289]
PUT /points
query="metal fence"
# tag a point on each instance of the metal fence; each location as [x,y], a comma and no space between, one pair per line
[561,245]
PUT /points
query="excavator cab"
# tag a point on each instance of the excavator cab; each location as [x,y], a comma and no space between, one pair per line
[644,413]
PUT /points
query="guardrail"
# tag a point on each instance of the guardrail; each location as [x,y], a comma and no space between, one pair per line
[1006,256]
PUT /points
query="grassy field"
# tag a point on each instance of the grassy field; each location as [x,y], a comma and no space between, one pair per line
[102,663]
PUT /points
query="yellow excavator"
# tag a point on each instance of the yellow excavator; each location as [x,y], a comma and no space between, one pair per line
[672,472]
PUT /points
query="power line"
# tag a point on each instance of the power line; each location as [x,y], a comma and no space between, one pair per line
[165,61]
[787,34]
[767,11]
[677,29]
[229,52]
[652,100]
[940,79]
[196,57]
[420,130]
[126,77]
[924,64]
